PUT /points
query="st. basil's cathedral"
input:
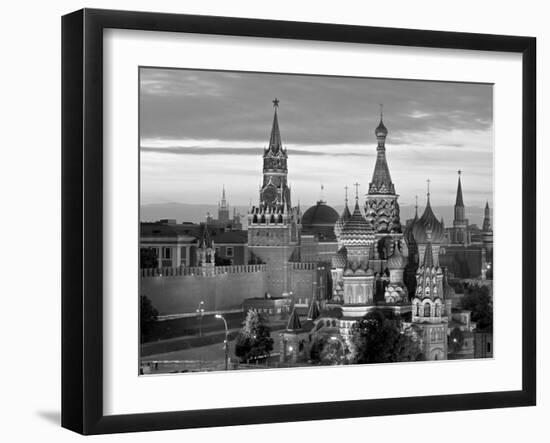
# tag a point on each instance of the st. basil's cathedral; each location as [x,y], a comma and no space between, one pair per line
[378,263]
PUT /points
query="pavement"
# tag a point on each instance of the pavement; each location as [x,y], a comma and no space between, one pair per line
[209,357]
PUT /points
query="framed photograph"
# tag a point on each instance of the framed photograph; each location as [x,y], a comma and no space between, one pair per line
[268,221]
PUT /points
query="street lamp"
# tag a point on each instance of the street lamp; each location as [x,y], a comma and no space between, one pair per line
[200,312]
[225,343]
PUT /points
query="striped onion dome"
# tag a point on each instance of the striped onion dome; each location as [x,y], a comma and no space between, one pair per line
[339,225]
[428,221]
[357,231]
[340,259]
[397,260]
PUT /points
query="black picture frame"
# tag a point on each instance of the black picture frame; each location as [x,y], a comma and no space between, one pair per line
[82,219]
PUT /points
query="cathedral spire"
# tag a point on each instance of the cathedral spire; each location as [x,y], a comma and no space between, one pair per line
[381,179]
[460,212]
[487,218]
[223,202]
[459,200]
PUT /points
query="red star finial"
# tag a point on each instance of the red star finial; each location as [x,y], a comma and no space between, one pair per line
[276,103]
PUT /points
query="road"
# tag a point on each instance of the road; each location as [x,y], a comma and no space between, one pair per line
[205,353]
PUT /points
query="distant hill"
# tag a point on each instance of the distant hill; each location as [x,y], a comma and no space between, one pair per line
[197,213]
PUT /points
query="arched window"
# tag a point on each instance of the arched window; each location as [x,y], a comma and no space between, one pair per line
[437,310]
[427,310]
[280,219]
[262,220]
[417,309]
[255,219]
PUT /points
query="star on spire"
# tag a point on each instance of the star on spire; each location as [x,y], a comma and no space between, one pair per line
[276,102]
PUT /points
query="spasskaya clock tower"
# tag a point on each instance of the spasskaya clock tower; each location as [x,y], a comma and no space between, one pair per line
[275,189]
[274,225]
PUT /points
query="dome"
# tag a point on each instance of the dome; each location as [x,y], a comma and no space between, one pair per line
[357,231]
[397,260]
[426,222]
[339,225]
[408,231]
[319,220]
[381,130]
[340,259]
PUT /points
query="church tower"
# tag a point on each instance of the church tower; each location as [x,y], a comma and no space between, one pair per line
[381,207]
[223,209]
[206,252]
[460,222]
[430,311]
[273,224]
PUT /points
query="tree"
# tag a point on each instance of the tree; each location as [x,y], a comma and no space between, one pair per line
[379,338]
[254,338]
[327,351]
[148,258]
[478,300]
[147,317]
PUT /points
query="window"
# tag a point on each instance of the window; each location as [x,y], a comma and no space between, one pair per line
[229,251]
[488,347]
[427,310]
[167,253]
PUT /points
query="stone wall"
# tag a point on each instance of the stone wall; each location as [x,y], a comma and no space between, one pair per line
[181,293]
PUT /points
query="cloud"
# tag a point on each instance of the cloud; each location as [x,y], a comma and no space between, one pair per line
[202,129]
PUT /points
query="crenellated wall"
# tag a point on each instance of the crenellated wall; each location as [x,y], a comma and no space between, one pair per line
[180,292]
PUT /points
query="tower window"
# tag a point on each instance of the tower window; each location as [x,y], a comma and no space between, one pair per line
[427,310]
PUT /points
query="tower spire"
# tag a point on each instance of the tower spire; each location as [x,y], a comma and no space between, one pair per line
[416,206]
[428,181]
[381,179]
[346,188]
[459,200]
[275,144]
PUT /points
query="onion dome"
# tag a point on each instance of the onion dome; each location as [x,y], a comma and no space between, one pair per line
[357,231]
[428,221]
[319,220]
[381,130]
[340,259]
[408,232]
[342,220]
[397,260]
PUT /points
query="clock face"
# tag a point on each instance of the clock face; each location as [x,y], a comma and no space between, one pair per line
[270,195]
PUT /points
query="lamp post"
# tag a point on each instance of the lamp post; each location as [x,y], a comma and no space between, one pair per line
[225,343]
[200,313]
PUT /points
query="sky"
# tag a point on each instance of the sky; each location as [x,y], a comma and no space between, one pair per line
[201,130]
